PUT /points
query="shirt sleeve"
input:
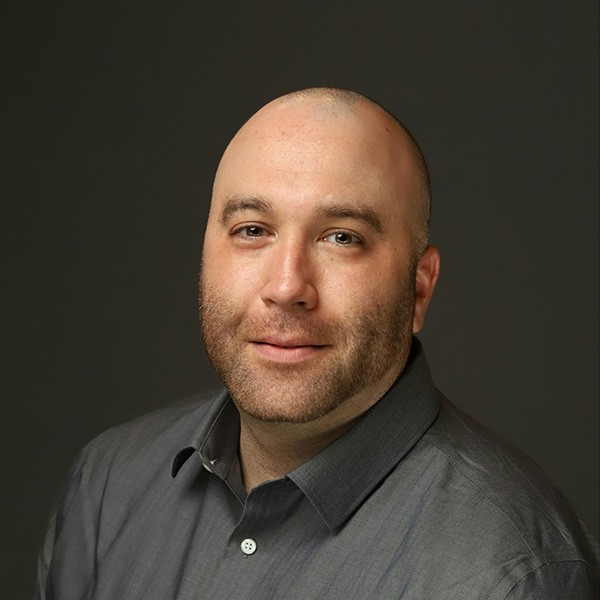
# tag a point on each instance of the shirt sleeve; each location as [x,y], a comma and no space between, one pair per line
[557,581]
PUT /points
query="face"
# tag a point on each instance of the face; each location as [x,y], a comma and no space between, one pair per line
[309,286]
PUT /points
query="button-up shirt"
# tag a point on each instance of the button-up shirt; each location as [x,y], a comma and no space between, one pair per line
[415,501]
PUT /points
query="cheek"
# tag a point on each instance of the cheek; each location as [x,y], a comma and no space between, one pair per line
[375,279]
[228,282]
[348,292]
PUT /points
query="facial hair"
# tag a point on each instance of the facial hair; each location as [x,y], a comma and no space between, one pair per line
[361,349]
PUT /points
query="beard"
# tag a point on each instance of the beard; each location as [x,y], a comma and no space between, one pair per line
[361,349]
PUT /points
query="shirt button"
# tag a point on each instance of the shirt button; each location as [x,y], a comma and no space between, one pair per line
[248,546]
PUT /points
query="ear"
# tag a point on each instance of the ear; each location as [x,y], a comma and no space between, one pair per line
[427,273]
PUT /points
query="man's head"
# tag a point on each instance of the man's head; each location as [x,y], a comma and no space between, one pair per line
[316,269]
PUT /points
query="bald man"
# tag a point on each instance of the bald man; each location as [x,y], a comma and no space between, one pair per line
[329,466]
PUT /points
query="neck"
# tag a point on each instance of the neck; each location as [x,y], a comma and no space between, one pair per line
[269,451]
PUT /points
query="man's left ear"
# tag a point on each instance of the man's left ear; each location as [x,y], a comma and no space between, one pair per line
[428,270]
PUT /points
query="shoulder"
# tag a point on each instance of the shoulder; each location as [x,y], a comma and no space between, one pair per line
[144,446]
[556,581]
[111,478]
[177,418]
[176,422]
[511,498]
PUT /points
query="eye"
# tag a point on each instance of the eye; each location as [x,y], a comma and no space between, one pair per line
[250,231]
[343,238]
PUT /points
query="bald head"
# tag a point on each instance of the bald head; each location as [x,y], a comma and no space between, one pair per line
[311,118]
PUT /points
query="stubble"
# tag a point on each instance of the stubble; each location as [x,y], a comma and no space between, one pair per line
[360,351]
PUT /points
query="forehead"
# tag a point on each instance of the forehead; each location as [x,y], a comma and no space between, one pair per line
[302,154]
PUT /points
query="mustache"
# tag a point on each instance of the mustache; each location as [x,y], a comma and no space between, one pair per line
[219,313]
[290,326]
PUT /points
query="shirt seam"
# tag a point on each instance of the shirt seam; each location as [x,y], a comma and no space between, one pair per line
[533,570]
[459,471]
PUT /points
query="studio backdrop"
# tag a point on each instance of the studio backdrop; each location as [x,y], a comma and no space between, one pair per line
[115,115]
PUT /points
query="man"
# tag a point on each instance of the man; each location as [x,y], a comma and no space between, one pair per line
[330,467]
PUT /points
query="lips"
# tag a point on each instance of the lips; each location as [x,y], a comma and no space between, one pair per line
[287,342]
[287,350]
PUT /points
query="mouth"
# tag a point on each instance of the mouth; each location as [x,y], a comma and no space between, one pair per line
[287,351]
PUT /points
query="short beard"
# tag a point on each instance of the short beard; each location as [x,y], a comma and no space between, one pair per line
[366,346]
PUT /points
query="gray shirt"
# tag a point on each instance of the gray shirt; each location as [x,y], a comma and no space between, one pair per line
[416,501]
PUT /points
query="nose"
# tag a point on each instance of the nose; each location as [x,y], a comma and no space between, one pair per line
[290,277]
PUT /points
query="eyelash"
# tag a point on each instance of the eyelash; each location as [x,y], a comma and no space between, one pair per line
[239,231]
[355,240]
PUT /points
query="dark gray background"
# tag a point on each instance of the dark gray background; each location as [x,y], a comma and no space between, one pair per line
[114,116]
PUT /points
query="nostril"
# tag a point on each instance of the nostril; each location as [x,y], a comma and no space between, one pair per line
[286,294]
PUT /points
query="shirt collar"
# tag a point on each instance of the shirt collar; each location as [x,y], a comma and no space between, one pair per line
[216,439]
[340,477]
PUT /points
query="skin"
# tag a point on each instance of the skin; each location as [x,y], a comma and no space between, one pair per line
[310,287]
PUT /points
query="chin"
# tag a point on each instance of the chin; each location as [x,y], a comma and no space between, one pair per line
[285,407]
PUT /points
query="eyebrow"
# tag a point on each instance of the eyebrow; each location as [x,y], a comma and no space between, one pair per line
[238,204]
[363,213]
